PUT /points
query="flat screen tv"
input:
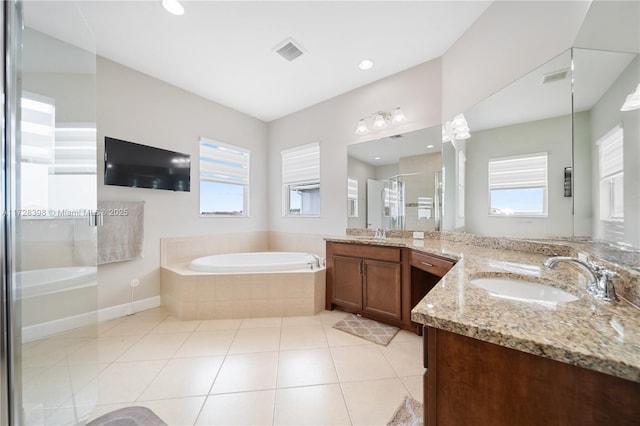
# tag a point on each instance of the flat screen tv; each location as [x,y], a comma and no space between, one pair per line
[141,166]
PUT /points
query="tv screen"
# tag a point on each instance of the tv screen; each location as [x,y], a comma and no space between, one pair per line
[141,166]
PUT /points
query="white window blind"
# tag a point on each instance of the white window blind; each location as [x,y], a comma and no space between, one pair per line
[611,154]
[301,166]
[38,128]
[352,188]
[75,149]
[528,171]
[611,170]
[223,163]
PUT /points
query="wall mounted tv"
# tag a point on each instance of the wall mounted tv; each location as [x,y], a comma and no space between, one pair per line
[141,166]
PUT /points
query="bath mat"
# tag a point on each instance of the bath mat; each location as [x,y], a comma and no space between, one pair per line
[371,330]
[128,416]
[409,413]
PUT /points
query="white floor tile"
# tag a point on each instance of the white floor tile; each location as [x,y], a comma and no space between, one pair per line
[261,322]
[357,363]
[414,386]
[207,343]
[405,357]
[154,346]
[177,411]
[306,367]
[311,405]
[210,325]
[373,402]
[243,408]
[183,377]
[247,372]
[251,340]
[303,337]
[125,381]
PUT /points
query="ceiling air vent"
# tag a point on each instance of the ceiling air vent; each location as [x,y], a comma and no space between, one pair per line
[395,137]
[289,49]
[555,76]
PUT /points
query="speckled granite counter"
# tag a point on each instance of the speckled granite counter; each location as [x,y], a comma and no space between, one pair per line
[589,333]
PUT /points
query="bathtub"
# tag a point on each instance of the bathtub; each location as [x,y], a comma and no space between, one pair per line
[255,262]
[40,282]
[244,285]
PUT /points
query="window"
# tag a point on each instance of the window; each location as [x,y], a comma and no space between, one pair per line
[301,180]
[611,174]
[462,166]
[518,185]
[54,158]
[224,179]
[352,197]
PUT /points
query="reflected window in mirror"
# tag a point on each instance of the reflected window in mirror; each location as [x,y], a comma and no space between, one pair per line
[462,166]
[518,185]
[301,180]
[54,158]
[352,197]
[611,175]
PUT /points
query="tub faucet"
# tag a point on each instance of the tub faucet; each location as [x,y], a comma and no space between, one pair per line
[317,261]
[598,283]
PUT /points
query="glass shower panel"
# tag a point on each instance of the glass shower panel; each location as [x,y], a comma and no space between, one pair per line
[55,263]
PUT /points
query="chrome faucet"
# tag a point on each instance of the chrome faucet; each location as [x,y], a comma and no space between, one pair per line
[598,284]
[380,233]
[318,261]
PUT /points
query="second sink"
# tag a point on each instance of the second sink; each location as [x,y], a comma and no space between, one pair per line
[523,290]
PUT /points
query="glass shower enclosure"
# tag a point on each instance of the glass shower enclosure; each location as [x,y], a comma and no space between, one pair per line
[49,274]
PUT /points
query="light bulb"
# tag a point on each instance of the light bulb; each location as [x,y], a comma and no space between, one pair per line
[379,122]
[459,121]
[365,64]
[362,128]
[398,116]
[465,135]
[633,101]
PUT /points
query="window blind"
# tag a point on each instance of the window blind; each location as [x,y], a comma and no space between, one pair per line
[38,128]
[611,156]
[528,171]
[301,166]
[75,150]
[352,188]
[223,163]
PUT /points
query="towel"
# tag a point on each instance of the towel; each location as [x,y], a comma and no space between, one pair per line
[122,233]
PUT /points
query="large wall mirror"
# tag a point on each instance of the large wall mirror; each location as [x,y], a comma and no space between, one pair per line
[394,182]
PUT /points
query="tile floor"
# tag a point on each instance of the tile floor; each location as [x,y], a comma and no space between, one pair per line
[284,371]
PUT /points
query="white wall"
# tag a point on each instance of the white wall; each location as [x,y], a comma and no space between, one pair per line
[333,123]
[508,40]
[538,136]
[138,108]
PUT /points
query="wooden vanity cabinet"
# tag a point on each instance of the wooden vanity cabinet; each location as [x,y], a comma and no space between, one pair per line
[380,282]
[472,382]
[365,279]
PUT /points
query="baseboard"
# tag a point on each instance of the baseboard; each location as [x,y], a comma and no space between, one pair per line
[45,329]
[118,311]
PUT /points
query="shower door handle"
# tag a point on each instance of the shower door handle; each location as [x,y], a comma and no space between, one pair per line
[96,219]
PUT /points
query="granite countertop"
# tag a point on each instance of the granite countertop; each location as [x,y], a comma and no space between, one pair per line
[588,333]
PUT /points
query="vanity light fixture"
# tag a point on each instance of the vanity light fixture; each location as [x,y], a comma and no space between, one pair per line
[458,128]
[430,146]
[365,64]
[633,100]
[173,6]
[380,120]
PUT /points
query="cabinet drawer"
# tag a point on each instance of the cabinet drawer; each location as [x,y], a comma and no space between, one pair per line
[389,254]
[431,264]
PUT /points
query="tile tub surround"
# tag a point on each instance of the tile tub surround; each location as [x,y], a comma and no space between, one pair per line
[588,333]
[191,295]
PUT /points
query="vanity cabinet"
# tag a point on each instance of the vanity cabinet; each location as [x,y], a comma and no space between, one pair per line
[380,282]
[472,382]
[366,279]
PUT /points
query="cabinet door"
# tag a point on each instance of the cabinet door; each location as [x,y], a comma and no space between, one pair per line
[347,282]
[382,288]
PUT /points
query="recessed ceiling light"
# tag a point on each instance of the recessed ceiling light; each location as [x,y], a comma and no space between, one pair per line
[430,146]
[173,7]
[376,158]
[365,64]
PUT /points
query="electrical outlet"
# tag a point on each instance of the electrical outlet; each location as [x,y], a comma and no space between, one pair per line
[418,235]
[134,282]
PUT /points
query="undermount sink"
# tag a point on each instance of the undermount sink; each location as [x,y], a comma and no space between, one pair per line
[523,290]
